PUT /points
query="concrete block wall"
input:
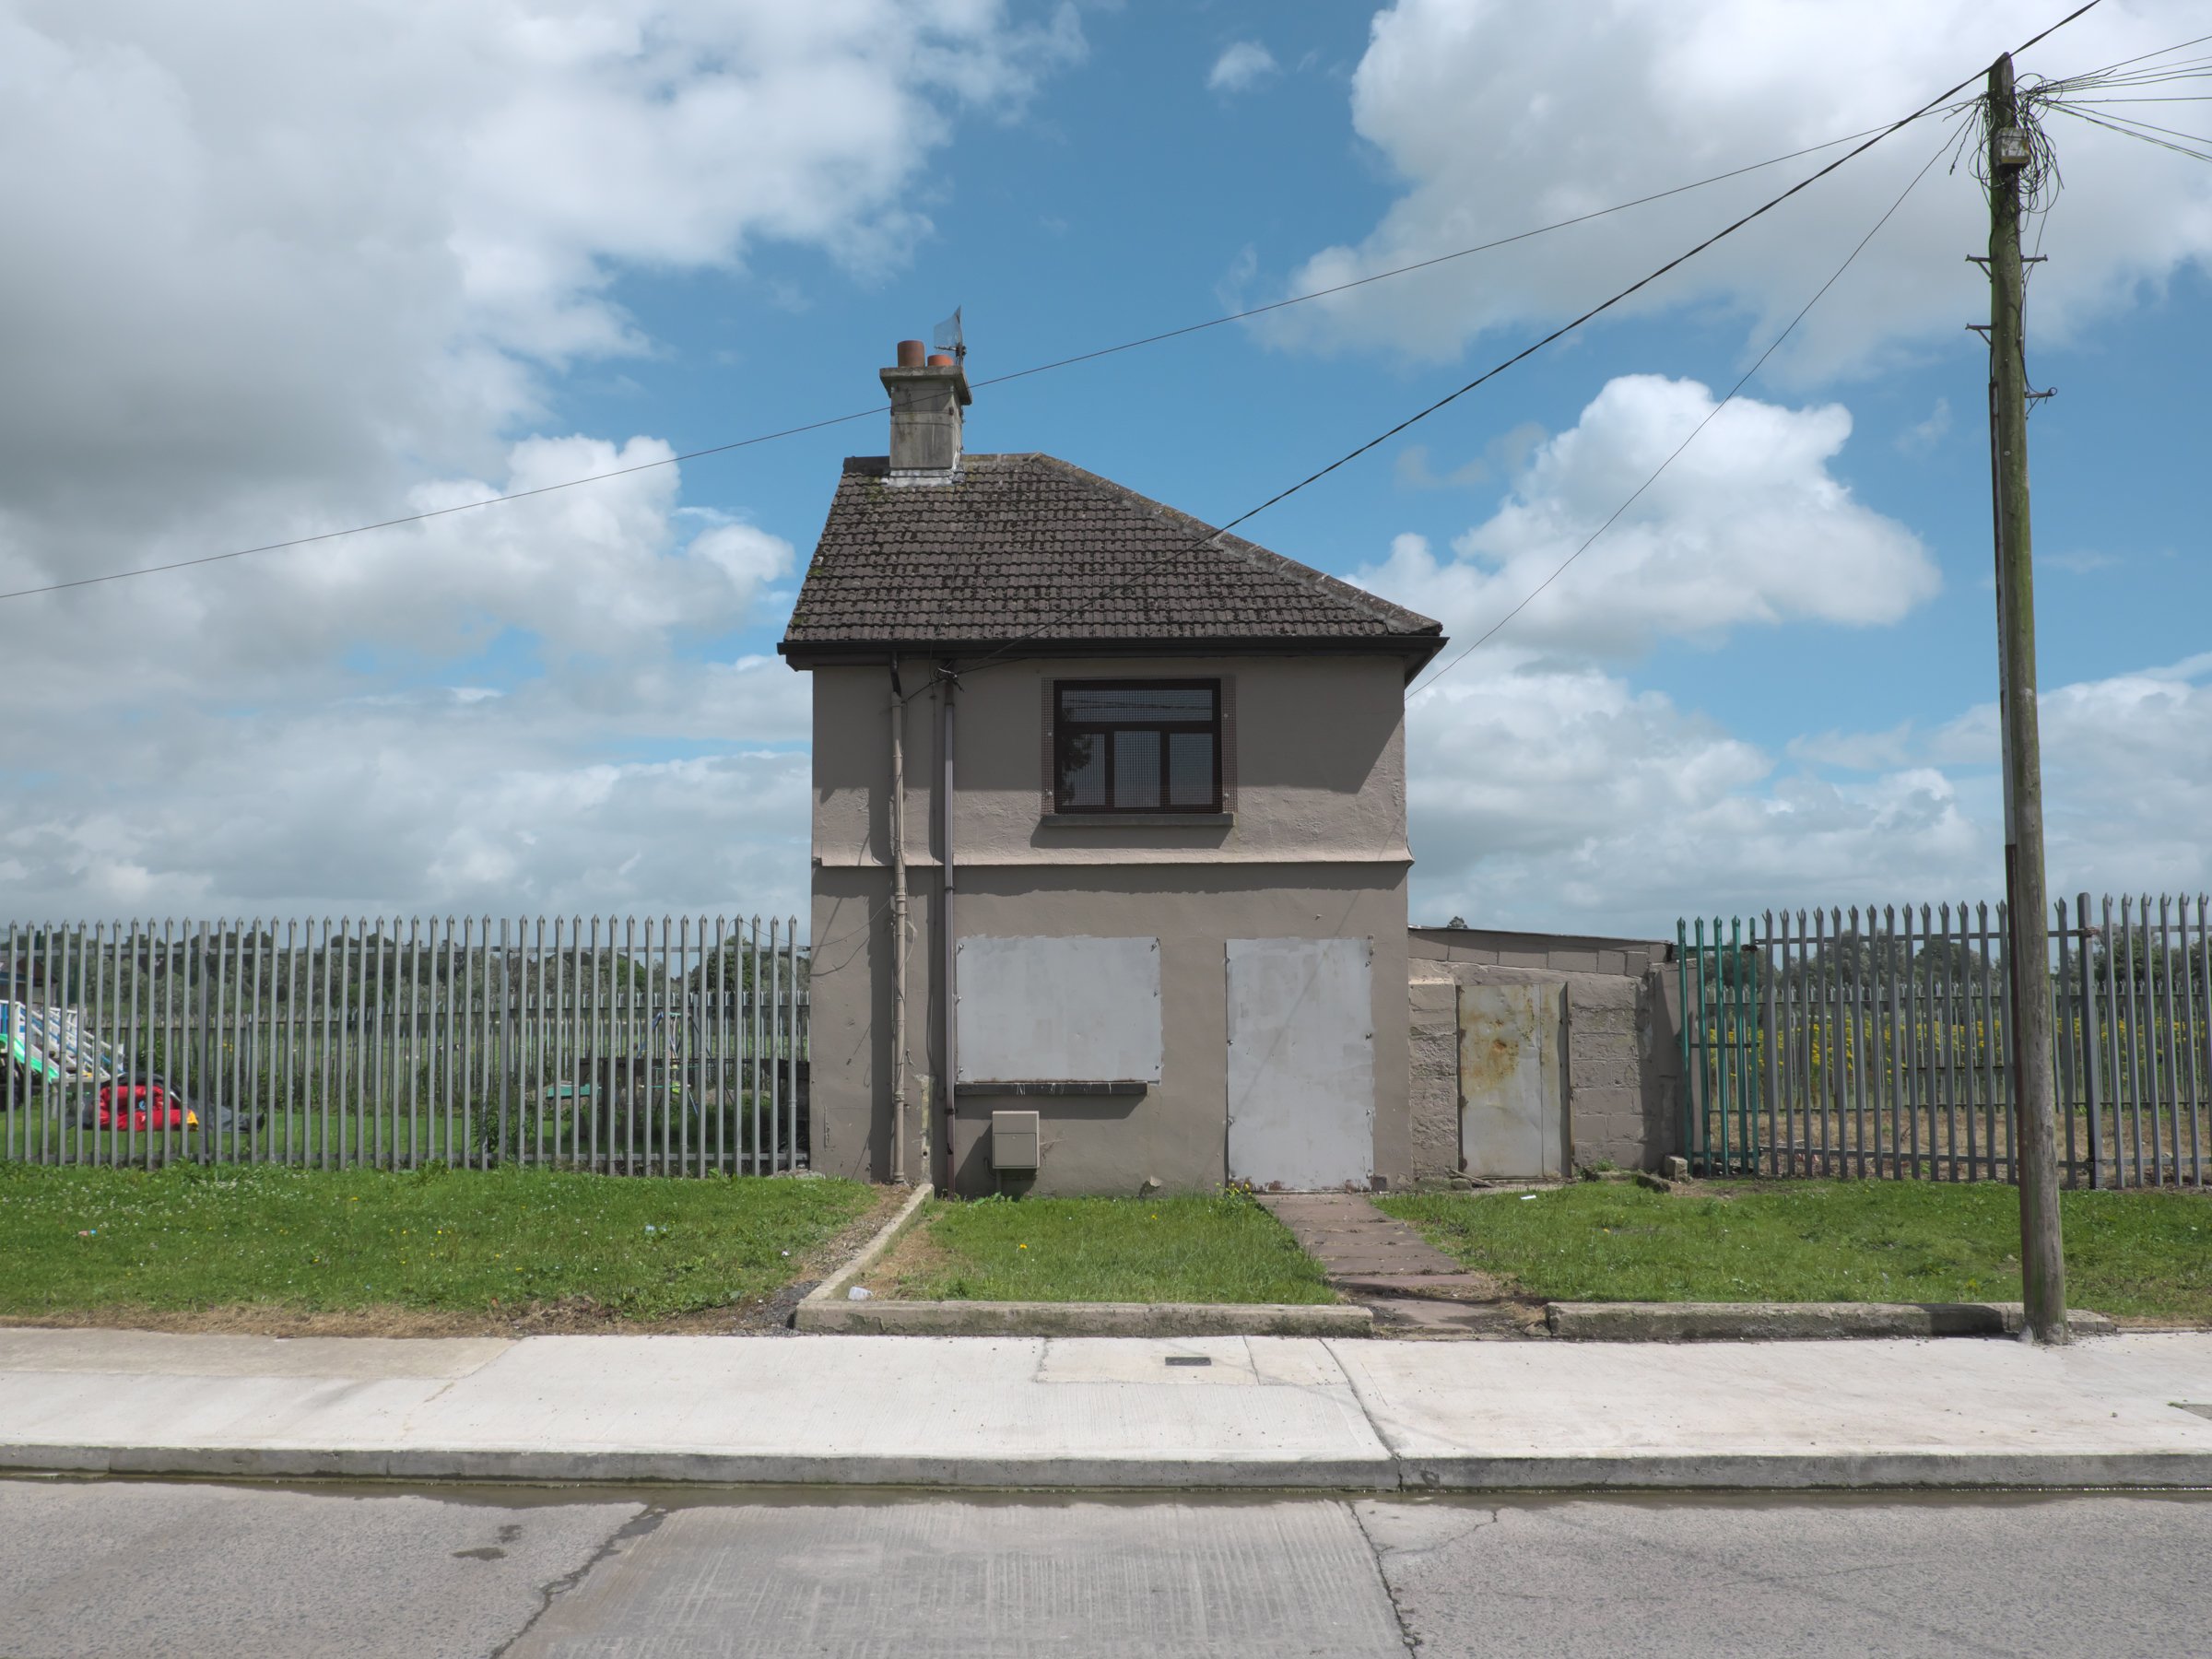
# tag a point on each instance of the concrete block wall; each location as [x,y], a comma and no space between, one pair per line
[1433,1097]
[1559,953]
[1622,1071]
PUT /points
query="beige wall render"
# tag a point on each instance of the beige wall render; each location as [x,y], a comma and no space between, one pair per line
[1320,766]
[1314,848]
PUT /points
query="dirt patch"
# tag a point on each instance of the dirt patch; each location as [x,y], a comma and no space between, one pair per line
[566,1316]
[912,1261]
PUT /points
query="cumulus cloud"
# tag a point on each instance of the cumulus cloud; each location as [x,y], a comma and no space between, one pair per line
[1546,790]
[1240,68]
[276,268]
[428,803]
[270,258]
[1748,526]
[1558,797]
[1498,119]
[1923,436]
[311,734]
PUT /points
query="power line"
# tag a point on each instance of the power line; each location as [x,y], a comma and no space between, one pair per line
[1423,265]
[719,449]
[1560,570]
[874,410]
[1001,655]
[2139,57]
[2111,125]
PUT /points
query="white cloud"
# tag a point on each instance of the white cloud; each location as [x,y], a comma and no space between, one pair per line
[1546,792]
[274,269]
[426,806]
[1240,68]
[1923,436]
[1748,526]
[1561,798]
[276,259]
[1500,118]
[250,760]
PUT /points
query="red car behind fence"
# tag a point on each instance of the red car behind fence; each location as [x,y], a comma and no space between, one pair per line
[147,1105]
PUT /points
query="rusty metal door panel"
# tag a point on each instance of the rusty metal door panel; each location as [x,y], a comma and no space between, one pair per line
[1302,1062]
[1512,1117]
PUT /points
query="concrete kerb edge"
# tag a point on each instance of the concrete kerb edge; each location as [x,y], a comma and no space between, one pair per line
[1786,1471]
[884,1318]
[1378,1473]
[1905,1471]
[833,1289]
[1796,1321]
[827,1309]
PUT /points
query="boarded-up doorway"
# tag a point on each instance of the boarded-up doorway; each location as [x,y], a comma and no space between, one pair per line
[1513,1119]
[1302,1062]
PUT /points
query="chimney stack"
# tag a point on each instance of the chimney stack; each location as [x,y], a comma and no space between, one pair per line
[927,391]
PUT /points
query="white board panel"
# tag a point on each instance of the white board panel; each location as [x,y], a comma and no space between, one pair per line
[1302,1062]
[1046,1010]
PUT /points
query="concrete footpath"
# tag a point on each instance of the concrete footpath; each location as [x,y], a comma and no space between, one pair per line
[1228,1413]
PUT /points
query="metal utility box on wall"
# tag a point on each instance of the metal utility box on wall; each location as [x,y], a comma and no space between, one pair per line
[1016,1143]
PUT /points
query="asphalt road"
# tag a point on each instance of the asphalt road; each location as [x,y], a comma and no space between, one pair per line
[123,1569]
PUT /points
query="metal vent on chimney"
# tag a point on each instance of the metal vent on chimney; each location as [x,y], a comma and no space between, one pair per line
[949,339]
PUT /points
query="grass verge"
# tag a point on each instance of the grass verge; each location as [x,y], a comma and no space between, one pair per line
[102,1245]
[2141,1255]
[1218,1249]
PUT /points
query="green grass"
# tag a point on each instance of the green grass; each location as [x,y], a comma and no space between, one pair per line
[2147,1254]
[1222,1249]
[188,1237]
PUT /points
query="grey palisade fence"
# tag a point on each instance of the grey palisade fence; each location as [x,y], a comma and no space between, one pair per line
[1878,1043]
[626,1046]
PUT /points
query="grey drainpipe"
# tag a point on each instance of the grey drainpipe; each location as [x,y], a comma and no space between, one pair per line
[897,832]
[952,1071]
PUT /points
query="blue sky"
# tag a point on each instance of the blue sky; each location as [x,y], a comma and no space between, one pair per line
[1769,688]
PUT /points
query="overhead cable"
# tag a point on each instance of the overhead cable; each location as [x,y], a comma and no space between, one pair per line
[873,411]
[1005,650]
[1560,570]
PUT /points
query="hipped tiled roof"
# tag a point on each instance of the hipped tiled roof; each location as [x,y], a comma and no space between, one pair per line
[1028,547]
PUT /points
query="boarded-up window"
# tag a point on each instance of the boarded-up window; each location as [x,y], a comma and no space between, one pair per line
[1050,1010]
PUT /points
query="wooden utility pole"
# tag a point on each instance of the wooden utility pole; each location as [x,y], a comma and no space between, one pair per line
[2035,1156]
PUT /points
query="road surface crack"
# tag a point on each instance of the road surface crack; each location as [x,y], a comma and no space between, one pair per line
[1406,1634]
[637,1526]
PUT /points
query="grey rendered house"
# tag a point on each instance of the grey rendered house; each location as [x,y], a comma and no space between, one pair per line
[1139,921]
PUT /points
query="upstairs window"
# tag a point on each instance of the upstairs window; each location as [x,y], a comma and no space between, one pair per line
[1136,746]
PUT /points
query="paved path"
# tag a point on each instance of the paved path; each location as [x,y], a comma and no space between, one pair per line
[93,1569]
[1350,1236]
[1384,1263]
[1107,1413]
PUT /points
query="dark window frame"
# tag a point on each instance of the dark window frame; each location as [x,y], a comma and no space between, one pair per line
[1063,729]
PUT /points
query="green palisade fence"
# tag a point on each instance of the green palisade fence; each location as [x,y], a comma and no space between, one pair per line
[620,1044]
[1876,1042]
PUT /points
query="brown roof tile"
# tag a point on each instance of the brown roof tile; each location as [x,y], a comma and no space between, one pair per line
[1028,547]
